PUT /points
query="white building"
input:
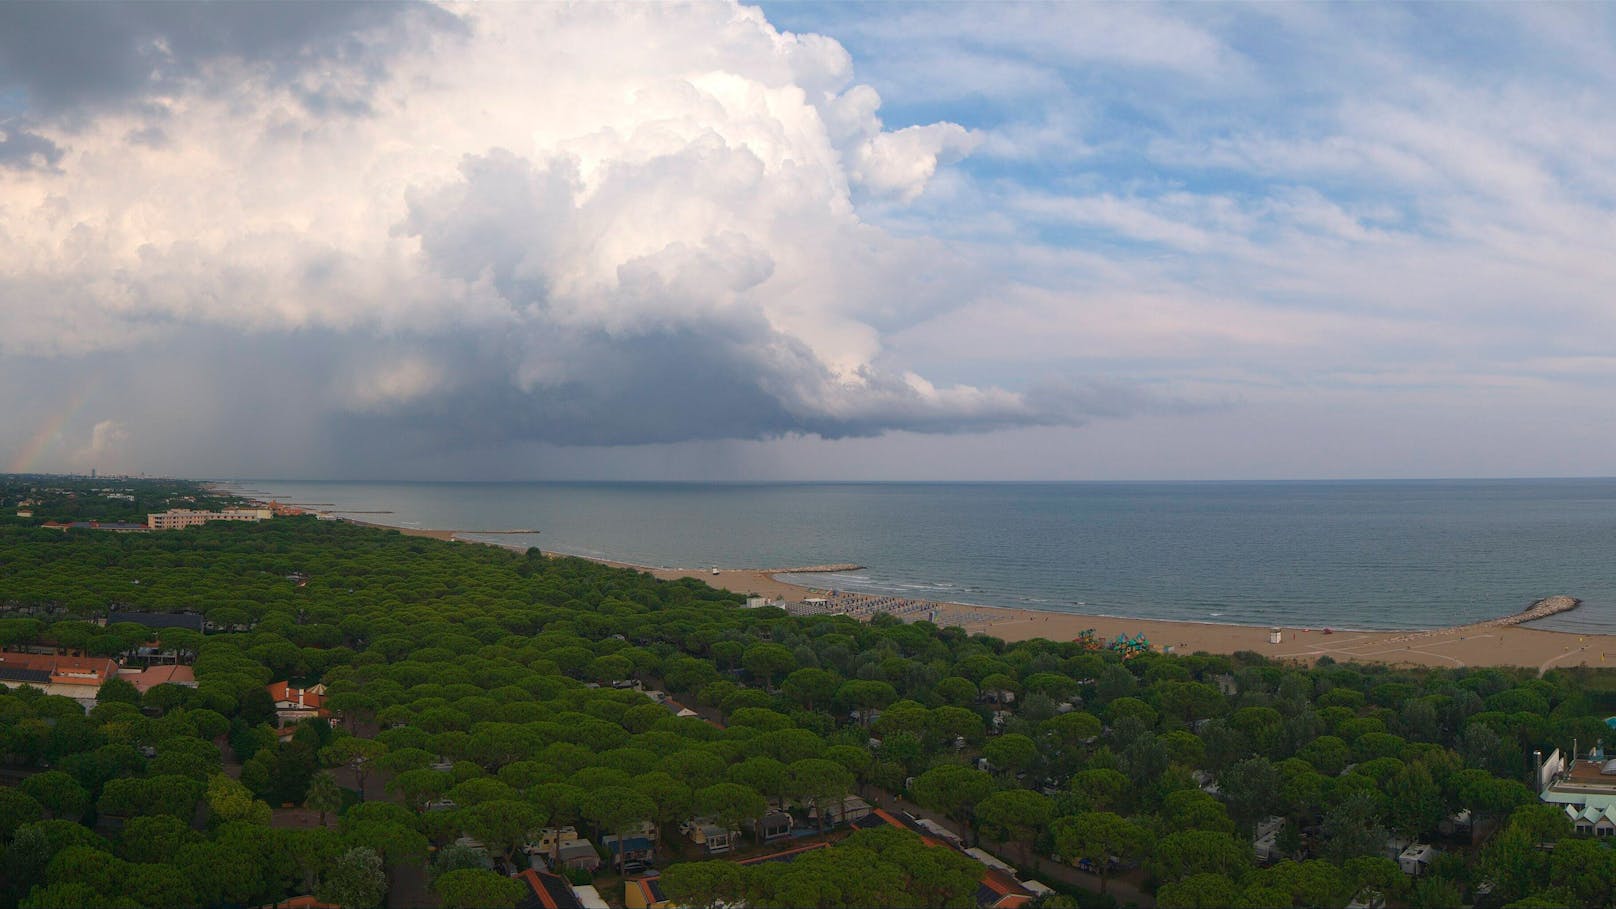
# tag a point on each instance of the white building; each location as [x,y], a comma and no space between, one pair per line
[1265,845]
[1585,790]
[179,518]
[1416,859]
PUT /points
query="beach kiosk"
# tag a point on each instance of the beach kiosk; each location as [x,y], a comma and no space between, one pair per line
[1274,635]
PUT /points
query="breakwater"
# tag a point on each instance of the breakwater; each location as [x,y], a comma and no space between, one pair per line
[1539,609]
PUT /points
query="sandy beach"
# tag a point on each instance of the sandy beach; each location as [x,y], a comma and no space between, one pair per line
[1479,644]
[1490,643]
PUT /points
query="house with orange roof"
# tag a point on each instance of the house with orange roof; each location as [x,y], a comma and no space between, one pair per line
[644,893]
[547,891]
[171,674]
[996,889]
[294,705]
[79,678]
[302,902]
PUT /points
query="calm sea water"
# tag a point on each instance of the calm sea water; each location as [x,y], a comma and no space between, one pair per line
[1406,554]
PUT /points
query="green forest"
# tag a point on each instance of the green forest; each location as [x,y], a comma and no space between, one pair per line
[111,500]
[480,695]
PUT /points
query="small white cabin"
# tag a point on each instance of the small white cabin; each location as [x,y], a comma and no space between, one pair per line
[1416,859]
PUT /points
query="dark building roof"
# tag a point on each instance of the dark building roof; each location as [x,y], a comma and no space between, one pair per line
[1000,891]
[21,674]
[901,819]
[191,620]
[547,891]
[774,822]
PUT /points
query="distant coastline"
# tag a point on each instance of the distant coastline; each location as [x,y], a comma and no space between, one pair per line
[1502,641]
[1496,640]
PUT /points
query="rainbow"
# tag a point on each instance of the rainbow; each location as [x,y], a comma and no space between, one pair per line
[50,429]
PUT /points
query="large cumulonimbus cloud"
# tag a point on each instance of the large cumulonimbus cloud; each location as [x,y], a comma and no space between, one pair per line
[582,224]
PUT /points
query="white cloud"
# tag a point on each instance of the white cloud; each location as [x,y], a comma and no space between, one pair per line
[613,224]
[544,189]
[108,443]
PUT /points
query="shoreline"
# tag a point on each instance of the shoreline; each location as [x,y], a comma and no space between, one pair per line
[1501,641]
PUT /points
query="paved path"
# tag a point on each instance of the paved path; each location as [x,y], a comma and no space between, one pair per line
[1552,660]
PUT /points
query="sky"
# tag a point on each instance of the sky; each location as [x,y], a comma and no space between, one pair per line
[718,241]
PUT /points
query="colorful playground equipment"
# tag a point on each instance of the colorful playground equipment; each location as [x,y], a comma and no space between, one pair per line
[1087,640]
[1131,647]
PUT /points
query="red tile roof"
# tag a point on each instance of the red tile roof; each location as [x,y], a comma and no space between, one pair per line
[551,890]
[283,691]
[650,889]
[304,902]
[60,670]
[995,890]
[161,675]
[1003,892]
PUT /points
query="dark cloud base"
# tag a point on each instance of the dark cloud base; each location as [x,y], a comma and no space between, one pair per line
[280,404]
[72,59]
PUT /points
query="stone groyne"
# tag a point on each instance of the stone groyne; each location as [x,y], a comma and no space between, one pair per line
[1542,609]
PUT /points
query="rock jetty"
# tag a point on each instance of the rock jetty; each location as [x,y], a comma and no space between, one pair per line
[1541,609]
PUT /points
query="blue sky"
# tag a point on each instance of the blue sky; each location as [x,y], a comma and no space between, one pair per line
[803,241]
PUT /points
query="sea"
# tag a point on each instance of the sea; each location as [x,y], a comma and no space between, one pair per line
[1342,554]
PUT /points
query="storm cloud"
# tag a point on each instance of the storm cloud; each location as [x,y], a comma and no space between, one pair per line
[77,59]
[581,225]
[697,240]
